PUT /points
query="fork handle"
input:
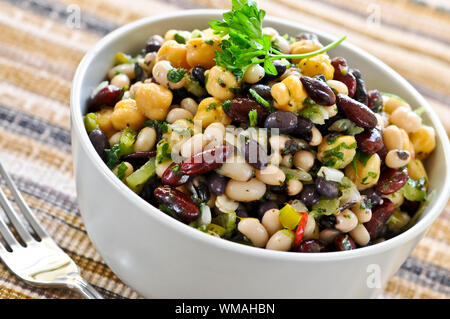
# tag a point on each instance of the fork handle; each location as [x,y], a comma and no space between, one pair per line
[86,289]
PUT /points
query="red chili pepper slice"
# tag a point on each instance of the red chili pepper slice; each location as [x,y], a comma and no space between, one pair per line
[300,231]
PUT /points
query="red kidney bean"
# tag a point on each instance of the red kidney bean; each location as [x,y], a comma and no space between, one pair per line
[370,141]
[139,155]
[285,121]
[360,92]
[375,100]
[254,154]
[240,107]
[177,203]
[312,246]
[206,161]
[108,96]
[99,141]
[343,74]
[360,114]
[344,242]
[380,215]
[318,91]
[391,180]
[173,177]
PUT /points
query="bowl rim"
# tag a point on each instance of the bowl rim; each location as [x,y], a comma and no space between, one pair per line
[77,128]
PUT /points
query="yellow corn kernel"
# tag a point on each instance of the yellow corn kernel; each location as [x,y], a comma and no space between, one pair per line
[424,141]
[201,52]
[304,46]
[318,64]
[209,111]
[154,100]
[289,94]
[175,53]
[416,170]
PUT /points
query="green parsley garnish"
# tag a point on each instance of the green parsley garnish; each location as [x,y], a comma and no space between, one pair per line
[176,75]
[121,169]
[247,44]
[179,38]
[253,117]
[259,98]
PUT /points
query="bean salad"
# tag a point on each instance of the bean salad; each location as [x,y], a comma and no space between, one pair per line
[261,138]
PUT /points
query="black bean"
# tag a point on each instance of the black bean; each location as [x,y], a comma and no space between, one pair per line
[318,91]
[285,121]
[328,189]
[152,46]
[216,183]
[280,67]
[344,242]
[199,74]
[410,207]
[99,141]
[262,90]
[201,188]
[254,154]
[242,212]
[149,188]
[264,207]
[372,196]
[361,92]
[312,246]
[303,129]
[278,189]
[308,195]
[380,214]
[327,221]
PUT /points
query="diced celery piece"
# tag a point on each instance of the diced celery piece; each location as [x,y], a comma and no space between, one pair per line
[91,122]
[325,207]
[289,217]
[299,174]
[415,190]
[126,142]
[137,179]
[227,221]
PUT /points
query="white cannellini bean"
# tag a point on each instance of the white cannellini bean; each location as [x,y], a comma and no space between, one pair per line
[193,145]
[189,104]
[282,240]
[114,139]
[125,68]
[225,204]
[253,230]
[303,160]
[278,142]
[360,235]
[363,213]
[120,80]
[215,132]
[245,191]
[146,139]
[161,168]
[329,234]
[271,221]
[286,161]
[275,158]
[271,175]
[178,113]
[316,137]
[236,168]
[282,44]
[309,228]
[406,119]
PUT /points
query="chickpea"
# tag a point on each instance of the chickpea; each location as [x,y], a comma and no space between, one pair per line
[390,104]
[220,83]
[201,52]
[177,137]
[253,230]
[209,111]
[397,158]
[406,119]
[289,94]
[175,53]
[170,35]
[416,170]
[360,235]
[392,138]
[254,74]
[120,80]
[129,170]
[160,71]
[424,141]
[225,204]
[126,68]
[339,86]
[366,175]
[154,100]
[189,104]
[400,220]
[104,121]
[271,175]
[236,168]
[304,160]
[286,161]
[316,137]
[294,187]
[193,145]
[282,240]
[133,89]
[328,235]
[177,114]
[127,114]
[145,140]
[361,211]
[304,46]
[318,64]
[114,139]
[245,191]
[346,221]
[271,221]
[337,151]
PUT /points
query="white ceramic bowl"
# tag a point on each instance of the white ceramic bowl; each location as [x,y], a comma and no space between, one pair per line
[160,257]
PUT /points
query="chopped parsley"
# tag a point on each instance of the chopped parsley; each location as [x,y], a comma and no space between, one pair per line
[121,169]
[179,38]
[176,75]
[163,152]
[253,117]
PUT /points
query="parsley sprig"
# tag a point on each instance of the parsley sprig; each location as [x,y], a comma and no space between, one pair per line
[246,44]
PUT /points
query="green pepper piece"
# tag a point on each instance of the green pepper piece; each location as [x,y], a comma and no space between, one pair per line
[137,179]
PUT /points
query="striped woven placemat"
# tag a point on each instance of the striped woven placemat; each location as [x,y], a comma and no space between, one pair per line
[42,42]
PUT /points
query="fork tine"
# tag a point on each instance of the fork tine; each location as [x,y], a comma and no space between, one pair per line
[7,235]
[26,211]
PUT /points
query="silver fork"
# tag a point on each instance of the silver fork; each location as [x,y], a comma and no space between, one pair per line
[38,262]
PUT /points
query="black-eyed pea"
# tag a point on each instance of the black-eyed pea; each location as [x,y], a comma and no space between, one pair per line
[286,161]
[120,80]
[161,167]
[219,83]
[390,104]
[148,62]
[362,212]
[329,234]
[133,89]
[236,168]
[193,145]
[253,230]
[226,204]
[293,187]
[249,191]
[346,221]
[189,104]
[254,74]
[125,68]
[338,86]
[366,174]
[128,171]
[282,44]
[271,221]
[406,119]
[392,137]
[145,140]
[303,160]
[160,71]
[282,240]
[278,142]
[178,113]
[423,141]
[212,201]
[177,85]
[271,175]
[271,32]
[397,158]
[360,235]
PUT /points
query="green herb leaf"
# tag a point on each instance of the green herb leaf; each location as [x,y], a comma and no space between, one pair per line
[163,152]
[253,117]
[179,38]
[121,169]
[176,75]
